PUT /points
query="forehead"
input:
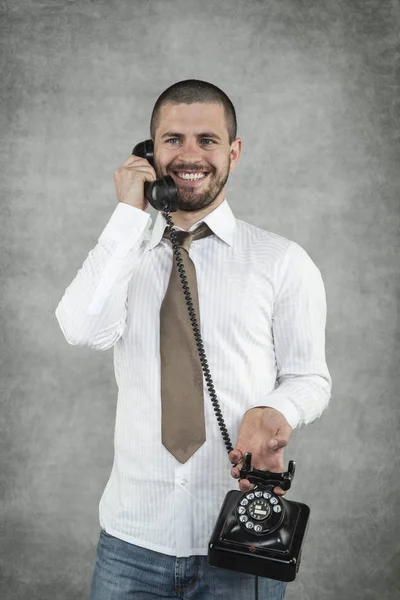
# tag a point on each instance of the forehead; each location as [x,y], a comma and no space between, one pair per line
[192,118]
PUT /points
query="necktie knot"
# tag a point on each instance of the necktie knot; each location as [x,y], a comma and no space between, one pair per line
[185,238]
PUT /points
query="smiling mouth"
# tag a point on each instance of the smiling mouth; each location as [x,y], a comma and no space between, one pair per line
[191,175]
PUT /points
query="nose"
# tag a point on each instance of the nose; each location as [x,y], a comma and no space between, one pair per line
[190,152]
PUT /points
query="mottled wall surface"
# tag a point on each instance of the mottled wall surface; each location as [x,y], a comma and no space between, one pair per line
[315,88]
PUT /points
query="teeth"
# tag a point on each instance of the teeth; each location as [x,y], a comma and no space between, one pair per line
[191,176]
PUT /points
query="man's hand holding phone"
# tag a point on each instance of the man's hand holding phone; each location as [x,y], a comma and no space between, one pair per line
[264,432]
[129,181]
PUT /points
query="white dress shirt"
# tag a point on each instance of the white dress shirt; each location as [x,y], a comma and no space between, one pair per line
[262,312]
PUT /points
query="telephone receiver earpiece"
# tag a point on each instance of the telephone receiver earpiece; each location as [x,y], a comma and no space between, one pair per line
[162,194]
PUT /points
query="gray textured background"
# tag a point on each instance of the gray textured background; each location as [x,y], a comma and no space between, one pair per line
[315,88]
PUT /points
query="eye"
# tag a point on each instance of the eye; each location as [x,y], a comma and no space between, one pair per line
[207,140]
[172,140]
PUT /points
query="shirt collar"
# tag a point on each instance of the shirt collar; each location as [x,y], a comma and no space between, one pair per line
[221,221]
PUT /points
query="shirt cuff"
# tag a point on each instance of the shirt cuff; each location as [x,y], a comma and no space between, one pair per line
[285,406]
[125,226]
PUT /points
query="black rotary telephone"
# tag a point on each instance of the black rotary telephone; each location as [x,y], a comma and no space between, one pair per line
[257,532]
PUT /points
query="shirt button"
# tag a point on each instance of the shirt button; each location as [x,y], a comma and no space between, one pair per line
[183,481]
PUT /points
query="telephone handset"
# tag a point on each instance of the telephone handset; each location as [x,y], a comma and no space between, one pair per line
[256,532]
[162,194]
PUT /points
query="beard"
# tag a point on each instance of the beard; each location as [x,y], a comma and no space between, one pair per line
[191,199]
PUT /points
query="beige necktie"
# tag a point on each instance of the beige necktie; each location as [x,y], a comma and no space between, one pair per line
[183,425]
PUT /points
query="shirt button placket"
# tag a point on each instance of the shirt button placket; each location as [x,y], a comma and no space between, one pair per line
[182,518]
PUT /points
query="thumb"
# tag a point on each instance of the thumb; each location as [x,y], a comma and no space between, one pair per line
[280,440]
[277,442]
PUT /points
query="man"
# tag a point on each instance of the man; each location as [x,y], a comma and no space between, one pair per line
[261,308]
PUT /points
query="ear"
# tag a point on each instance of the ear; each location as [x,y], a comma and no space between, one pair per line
[236,148]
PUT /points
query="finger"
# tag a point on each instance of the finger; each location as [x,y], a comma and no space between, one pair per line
[137,167]
[279,491]
[133,159]
[235,472]
[148,171]
[277,443]
[245,485]
[147,174]
[235,456]
[281,438]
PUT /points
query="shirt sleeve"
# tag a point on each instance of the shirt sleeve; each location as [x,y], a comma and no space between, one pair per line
[92,311]
[303,381]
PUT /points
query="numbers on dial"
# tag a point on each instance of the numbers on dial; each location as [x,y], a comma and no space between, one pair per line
[259,509]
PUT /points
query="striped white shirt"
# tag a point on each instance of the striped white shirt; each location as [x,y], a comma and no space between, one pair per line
[262,312]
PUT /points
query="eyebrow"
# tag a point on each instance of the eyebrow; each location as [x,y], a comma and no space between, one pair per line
[207,134]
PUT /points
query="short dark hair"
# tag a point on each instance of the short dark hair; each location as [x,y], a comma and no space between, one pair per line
[190,91]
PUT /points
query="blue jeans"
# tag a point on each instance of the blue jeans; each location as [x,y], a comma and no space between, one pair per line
[123,571]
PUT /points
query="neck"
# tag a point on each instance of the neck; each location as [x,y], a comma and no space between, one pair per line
[185,220]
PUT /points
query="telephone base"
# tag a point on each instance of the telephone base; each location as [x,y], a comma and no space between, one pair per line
[275,555]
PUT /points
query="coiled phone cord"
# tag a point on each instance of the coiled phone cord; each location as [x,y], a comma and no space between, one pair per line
[200,346]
